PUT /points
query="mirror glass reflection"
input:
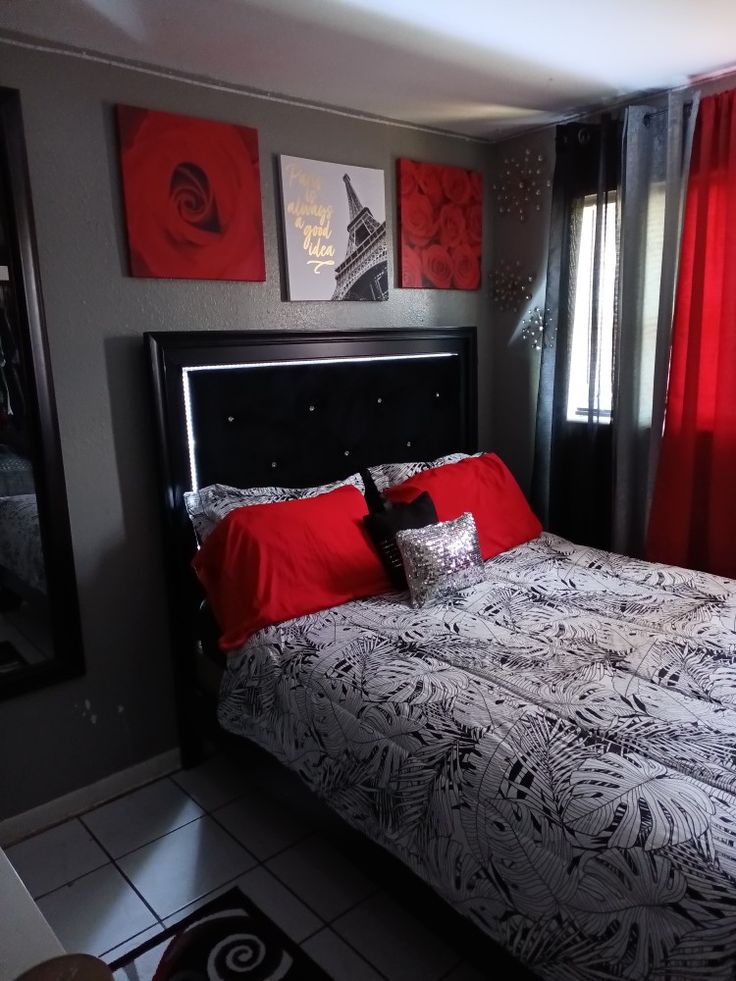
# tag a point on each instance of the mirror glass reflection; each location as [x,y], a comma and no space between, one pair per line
[25,635]
[40,628]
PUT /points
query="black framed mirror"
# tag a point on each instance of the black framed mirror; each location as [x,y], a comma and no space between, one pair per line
[40,631]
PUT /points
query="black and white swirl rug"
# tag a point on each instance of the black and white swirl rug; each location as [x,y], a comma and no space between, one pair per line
[228,939]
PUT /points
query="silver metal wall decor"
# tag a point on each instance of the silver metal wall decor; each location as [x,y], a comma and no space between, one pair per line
[511,285]
[532,328]
[520,186]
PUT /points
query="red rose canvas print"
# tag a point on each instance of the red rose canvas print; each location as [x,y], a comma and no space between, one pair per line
[440,225]
[192,197]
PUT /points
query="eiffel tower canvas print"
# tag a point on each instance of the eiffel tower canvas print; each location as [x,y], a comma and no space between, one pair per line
[334,230]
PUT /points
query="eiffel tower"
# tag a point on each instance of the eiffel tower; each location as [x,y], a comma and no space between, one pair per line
[363,273]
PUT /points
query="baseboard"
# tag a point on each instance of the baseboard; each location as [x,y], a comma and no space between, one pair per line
[20,826]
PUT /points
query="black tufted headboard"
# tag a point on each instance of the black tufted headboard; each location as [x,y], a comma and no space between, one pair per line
[296,409]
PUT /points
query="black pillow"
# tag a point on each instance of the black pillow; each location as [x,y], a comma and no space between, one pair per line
[382,528]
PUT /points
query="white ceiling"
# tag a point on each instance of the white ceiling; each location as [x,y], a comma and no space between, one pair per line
[477,67]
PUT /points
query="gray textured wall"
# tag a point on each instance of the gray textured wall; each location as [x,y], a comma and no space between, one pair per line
[121,711]
[515,363]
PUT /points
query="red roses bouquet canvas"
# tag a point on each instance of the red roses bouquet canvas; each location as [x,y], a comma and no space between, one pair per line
[440,223]
[192,197]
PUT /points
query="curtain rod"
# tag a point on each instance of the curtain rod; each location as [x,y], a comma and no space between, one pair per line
[687,108]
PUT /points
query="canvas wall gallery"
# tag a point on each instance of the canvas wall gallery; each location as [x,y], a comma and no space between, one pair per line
[367,454]
[193,210]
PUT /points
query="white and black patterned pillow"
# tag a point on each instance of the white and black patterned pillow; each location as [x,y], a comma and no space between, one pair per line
[387,475]
[207,506]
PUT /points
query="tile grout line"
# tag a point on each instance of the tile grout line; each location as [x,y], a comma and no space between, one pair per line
[139,934]
[347,943]
[162,919]
[205,898]
[324,925]
[454,967]
[56,822]
[147,843]
[324,922]
[302,900]
[159,919]
[260,861]
[224,803]
[354,906]
[205,813]
[125,877]
[374,892]
[296,841]
[64,885]
[329,923]
[296,896]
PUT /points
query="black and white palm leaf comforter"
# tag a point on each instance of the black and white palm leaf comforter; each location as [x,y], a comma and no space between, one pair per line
[554,751]
[21,552]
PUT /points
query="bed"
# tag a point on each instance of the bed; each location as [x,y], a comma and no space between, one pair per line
[553,750]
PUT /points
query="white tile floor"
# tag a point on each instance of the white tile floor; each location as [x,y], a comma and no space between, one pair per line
[112,879]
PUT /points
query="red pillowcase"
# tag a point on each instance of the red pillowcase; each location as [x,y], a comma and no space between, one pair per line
[270,562]
[484,486]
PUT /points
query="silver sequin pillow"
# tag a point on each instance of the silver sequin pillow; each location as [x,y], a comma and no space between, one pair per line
[441,559]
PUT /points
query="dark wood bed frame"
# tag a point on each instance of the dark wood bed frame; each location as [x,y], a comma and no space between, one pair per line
[297,409]
[292,409]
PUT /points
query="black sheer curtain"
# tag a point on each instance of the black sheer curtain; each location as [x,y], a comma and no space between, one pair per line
[572,463]
[656,150]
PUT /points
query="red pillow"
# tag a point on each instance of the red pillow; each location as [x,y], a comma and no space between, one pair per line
[270,562]
[484,486]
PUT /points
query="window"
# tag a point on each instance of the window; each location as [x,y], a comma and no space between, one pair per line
[589,390]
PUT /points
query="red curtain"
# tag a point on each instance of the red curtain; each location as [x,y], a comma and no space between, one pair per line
[693,516]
